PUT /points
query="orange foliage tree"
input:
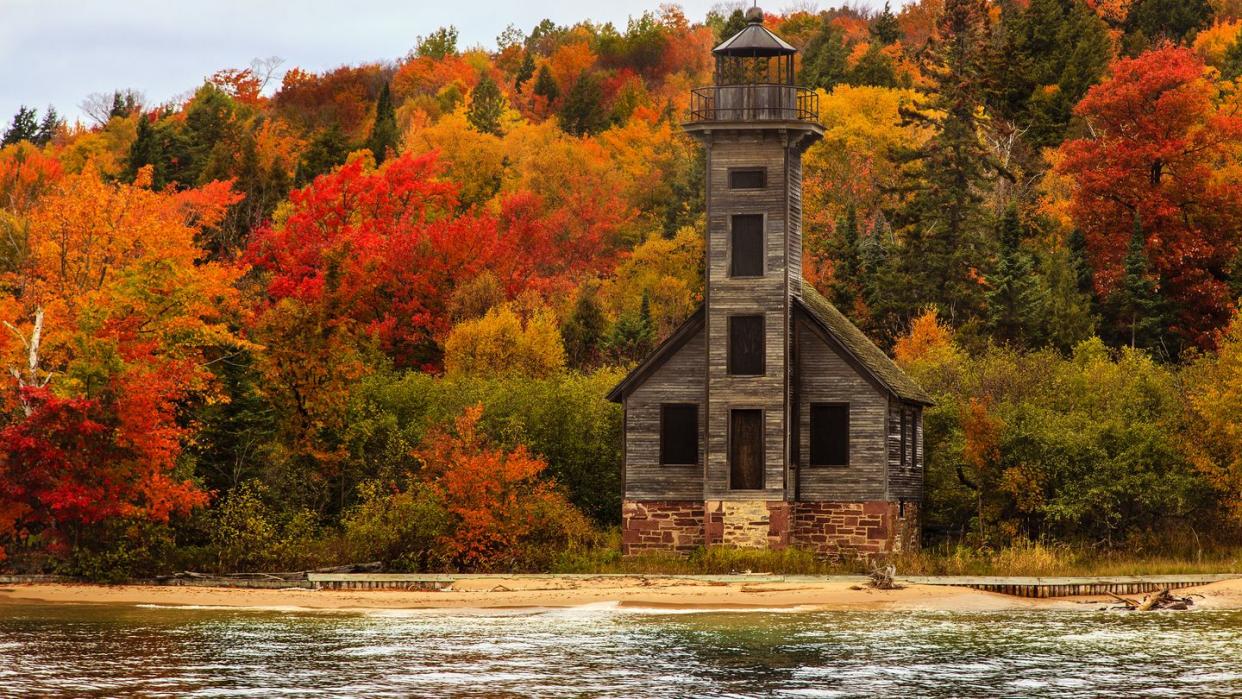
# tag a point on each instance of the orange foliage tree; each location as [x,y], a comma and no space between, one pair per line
[498,504]
[111,324]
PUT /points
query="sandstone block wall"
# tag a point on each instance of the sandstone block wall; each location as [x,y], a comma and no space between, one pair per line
[829,529]
[667,525]
[748,523]
[855,529]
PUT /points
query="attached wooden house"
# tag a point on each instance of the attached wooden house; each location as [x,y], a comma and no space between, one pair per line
[767,419]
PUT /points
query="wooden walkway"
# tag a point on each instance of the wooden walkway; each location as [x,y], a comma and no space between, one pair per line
[1067,586]
[1017,586]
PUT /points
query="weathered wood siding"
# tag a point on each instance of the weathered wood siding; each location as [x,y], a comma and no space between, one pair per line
[904,482]
[794,237]
[682,379]
[826,377]
[766,295]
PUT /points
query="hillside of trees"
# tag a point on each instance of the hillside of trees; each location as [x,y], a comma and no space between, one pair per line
[300,318]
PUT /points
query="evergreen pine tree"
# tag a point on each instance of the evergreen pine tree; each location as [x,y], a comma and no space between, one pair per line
[1232,65]
[24,127]
[825,62]
[48,127]
[1174,20]
[874,67]
[943,225]
[1136,306]
[525,71]
[633,335]
[1068,310]
[885,28]
[145,150]
[584,331]
[124,103]
[843,248]
[487,106]
[583,112]
[545,85]
[1015,301]
[384,137]
[733,25]
[328,149]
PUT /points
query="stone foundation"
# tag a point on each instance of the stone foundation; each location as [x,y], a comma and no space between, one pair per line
[755,524]
[665,525]
[829,529]
[855,529]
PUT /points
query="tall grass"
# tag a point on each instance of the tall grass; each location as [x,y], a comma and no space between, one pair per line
[1026,559]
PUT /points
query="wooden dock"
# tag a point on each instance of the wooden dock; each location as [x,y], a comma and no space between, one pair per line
[1037,587]
[1016,586]
[1069,586]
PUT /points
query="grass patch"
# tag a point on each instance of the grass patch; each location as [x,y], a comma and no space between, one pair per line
[1022,559]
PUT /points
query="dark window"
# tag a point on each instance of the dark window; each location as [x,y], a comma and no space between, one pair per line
[679,434]
[901,433]
[748,178]
[746,246]
[907,439]
[746,449]
[914,438]
[830,435]
[746,345]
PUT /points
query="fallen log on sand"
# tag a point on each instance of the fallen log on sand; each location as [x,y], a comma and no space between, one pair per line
[1155,601]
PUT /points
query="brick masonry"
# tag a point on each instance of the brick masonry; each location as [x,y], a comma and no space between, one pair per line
[855,529]
[665,525]
[829,529]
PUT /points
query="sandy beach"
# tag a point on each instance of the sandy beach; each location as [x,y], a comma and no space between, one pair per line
[502,593]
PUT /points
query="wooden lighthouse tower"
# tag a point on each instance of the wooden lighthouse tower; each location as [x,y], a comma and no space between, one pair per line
[767,419]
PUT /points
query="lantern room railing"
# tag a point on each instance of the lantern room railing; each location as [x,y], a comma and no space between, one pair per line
[754,102]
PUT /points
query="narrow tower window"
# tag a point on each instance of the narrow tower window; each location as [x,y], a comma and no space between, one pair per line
[748,178]
[746,246]
[830,434]
[746,345]
[679,434]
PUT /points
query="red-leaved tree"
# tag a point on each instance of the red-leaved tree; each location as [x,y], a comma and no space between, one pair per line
[1163,148]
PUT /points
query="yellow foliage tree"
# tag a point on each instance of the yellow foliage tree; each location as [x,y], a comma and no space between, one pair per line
[1212,43]
[502,343]
[928,350]
[1214,411]
[853,165]
[670,272]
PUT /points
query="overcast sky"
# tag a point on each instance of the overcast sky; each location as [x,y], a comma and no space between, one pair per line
[58,51]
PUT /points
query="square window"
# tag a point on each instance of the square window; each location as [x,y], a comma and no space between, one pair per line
[746,346]
[679,434]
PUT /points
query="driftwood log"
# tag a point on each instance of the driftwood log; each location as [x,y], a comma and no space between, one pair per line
[881,577]
[1158,600]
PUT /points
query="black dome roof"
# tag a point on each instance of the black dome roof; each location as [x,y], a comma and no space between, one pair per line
[754,40]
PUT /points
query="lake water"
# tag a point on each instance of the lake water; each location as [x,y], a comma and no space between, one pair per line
[609,652]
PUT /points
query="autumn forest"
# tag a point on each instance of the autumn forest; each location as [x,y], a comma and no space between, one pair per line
[297,319]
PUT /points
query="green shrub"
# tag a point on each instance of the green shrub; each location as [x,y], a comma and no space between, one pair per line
[400,528]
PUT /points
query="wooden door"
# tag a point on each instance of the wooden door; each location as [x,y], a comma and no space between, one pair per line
[746,450]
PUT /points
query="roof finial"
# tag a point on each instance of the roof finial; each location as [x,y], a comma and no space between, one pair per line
[754,15]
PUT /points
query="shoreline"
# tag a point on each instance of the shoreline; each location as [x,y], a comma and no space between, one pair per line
[628,592]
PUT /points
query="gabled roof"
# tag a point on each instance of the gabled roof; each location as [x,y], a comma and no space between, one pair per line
[754,40]
[847,335]
[674,342]
[872,358]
